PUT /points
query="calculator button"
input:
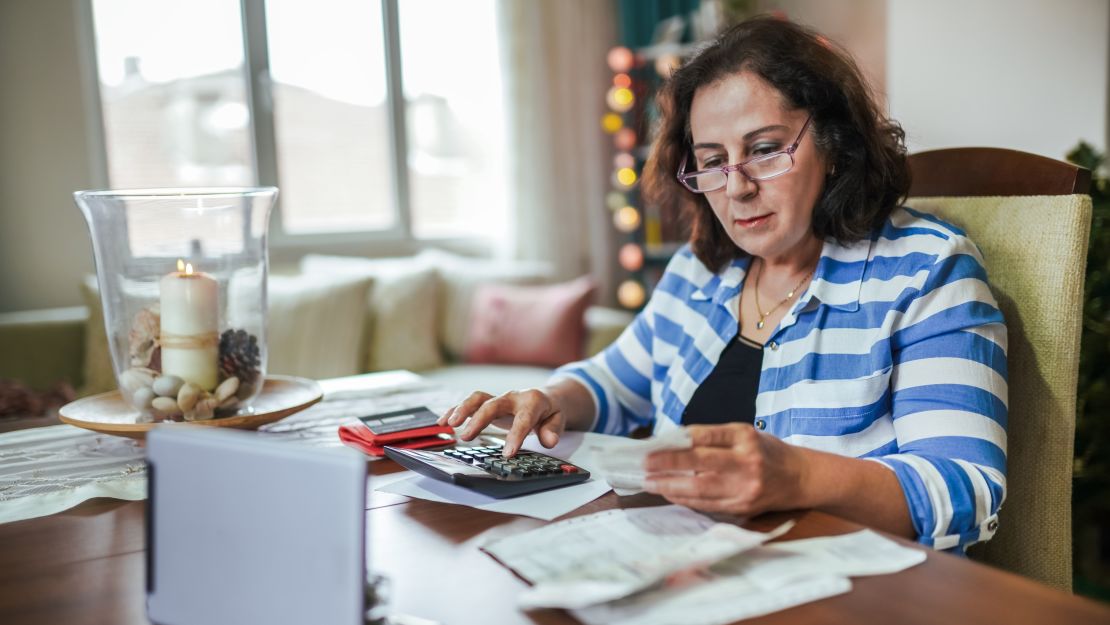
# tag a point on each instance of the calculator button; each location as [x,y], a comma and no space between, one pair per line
[568,468]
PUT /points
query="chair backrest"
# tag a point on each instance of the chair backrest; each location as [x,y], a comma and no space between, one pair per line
[1031,218]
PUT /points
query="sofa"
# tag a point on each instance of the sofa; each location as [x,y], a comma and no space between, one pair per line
[332,316]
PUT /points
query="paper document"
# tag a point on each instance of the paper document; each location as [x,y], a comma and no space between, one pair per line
[763,580]
[545,505]
[601,557]
[622,465]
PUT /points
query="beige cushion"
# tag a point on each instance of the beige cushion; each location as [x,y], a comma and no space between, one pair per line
[400,327]
[460,276]
[1035,250]
[99,375]
[315,325]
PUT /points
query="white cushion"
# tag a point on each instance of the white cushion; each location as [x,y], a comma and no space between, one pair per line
[315,325]
[400,327]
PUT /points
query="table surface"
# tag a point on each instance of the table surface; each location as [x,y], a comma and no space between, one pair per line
[86,565]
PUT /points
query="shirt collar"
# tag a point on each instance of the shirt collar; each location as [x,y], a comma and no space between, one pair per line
[838,279]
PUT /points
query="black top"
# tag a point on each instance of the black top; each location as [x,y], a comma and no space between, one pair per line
[728,394]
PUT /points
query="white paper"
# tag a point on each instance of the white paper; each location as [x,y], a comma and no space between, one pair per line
[609,555]
[622,464]
[545,505]
[760,581]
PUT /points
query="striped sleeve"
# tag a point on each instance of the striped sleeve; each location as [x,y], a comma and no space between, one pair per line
[949,402]
[619,378]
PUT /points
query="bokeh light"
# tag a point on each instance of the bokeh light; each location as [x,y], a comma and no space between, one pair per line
[631,294]
[625,139]
[615,200]
[622,80]
[620,99]
[620,59]
[611,122]
[631,257]
[624,160]
[626,219]
[626,176]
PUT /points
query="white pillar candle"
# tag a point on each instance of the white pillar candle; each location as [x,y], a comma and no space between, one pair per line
[190,317]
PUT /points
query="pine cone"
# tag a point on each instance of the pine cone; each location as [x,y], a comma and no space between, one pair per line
[240,357]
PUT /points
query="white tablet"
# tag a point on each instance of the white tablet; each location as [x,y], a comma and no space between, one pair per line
[244,530]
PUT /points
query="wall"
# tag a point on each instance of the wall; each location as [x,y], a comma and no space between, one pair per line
[1023,74]
[860,26]
[45,143]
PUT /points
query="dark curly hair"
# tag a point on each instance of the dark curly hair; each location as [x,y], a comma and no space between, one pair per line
[866,149]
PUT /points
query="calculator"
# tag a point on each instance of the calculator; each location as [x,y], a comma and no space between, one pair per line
[482,469]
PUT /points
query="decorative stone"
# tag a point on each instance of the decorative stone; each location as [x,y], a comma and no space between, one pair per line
[165,405]
[134,379]
[167,385]
[142,398]
[226,389]
[204,409]
[187,397]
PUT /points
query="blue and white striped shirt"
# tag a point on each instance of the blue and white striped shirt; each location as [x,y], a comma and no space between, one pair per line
[896,353]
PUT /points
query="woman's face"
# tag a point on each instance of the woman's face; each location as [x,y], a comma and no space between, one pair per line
[740,117]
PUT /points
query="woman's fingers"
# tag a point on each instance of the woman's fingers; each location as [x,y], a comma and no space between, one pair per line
[493,408]
[530,408]
[689,485]
[456,415]
[693,459]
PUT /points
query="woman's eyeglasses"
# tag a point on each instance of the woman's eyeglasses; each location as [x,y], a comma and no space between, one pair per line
[762,167]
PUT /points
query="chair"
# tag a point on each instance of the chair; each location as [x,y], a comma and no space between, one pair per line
[1031,217]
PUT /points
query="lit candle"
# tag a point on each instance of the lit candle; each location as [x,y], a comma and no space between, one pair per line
[190,338]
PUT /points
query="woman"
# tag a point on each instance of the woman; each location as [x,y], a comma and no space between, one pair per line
[836,351]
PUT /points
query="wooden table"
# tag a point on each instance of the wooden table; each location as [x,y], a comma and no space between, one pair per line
[86,565]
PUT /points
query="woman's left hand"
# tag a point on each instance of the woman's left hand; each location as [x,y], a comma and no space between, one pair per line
[730,468]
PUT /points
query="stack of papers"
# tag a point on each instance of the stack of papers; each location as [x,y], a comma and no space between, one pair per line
[668,564]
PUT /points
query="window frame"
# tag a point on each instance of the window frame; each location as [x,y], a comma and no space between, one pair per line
[284,246]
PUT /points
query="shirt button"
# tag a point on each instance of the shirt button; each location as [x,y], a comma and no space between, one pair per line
[773,345]
[993,525]
[760,424]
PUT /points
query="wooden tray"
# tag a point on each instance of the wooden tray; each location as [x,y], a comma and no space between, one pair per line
[108,413]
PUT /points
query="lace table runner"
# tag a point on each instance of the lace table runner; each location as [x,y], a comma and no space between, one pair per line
[49,469]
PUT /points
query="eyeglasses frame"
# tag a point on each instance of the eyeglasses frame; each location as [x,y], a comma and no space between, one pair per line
[726,169]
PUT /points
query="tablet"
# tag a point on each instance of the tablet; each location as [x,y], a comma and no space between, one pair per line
[245,530]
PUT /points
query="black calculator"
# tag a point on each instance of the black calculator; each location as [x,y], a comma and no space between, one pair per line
[482,469]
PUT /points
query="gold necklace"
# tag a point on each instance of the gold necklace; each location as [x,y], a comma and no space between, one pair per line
[759,309]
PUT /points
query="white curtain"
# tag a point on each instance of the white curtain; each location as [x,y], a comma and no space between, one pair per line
[560,160]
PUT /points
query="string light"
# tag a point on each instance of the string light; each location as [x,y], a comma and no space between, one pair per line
[626,176]
[611,123]
[626,219]
[625,139]
[620,59]
[624,160]
[631,294]
[622,80]
[615,200]
[631,257]
[620,99]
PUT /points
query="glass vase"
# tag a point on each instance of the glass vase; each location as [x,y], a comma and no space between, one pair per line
[182,278]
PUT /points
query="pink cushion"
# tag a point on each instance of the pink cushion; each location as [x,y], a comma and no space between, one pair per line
[529,325]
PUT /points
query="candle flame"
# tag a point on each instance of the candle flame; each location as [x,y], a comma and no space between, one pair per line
[188,269]
[180,265]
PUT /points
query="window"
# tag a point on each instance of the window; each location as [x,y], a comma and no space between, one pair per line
[380,117]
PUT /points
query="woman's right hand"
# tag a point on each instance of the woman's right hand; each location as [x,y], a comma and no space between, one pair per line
[521,412]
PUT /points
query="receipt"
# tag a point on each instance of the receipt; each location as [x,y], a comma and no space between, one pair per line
[623,466]
[613,554]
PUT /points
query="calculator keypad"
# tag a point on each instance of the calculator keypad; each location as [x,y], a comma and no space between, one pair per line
[525,464]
